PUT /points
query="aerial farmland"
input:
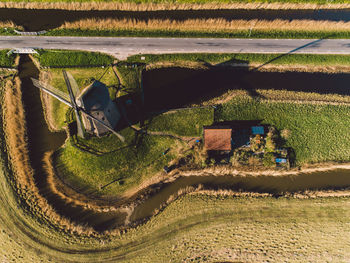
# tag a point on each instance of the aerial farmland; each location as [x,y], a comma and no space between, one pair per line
[174,131]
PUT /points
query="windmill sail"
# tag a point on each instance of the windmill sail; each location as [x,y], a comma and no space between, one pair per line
[75,106]
[61,96]
[73,84]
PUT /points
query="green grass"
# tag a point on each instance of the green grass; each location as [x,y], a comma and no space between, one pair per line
[275,59]
[318,132]
[214,34]
[5,60]
[61,58]
[187,122]
[127,164]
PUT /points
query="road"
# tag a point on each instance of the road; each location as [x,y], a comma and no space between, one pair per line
[121,47]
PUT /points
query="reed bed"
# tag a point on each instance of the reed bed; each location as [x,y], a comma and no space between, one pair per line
[179,5]
[7,24]
[17,143]
[207,25]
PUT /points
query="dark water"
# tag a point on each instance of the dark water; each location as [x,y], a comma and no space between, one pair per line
[202,82]
[177,87]
[35,20]
[276,185]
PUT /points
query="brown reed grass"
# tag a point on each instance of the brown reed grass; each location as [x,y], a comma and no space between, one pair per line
[132,6]
[10,24]
[207,25]
[17,144]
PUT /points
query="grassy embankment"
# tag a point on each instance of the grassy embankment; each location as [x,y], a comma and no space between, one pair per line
[206,28]
[253,60]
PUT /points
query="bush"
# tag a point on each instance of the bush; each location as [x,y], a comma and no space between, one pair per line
[63,59]
[269,159]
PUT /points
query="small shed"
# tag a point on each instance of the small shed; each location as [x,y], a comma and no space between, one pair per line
[218,138]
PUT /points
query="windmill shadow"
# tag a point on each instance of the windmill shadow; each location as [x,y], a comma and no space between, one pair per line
[314,43]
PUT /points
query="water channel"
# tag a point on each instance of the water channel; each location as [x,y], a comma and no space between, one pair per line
[44,19]
[200,81]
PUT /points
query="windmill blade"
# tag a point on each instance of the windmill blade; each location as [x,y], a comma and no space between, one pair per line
[61,96]
[121,137]
[73,84]
[80,128]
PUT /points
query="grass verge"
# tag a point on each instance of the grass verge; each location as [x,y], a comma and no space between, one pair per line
[192,34]
[62,58]
[246,59]
[5,60]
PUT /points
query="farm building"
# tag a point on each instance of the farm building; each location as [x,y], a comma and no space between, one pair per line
[95,100]
[218,138]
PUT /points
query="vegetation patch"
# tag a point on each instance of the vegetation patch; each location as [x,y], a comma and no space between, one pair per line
[178,122]
[120,166]
[62,59]
[7,61]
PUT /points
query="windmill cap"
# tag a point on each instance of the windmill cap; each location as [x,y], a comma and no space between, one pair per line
[94,97]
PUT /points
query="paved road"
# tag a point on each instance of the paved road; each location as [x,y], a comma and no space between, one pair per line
[122,47]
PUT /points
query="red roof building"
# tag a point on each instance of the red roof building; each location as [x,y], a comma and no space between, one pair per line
[217,138]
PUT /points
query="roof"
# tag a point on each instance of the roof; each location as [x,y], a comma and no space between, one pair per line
[258,130]
[95,96]
[217,138]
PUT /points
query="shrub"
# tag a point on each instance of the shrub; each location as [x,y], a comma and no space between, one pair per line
[269,159]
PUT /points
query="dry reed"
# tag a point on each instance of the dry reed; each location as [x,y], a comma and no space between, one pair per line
[165,6]
[17,143]
[10,24]
[207,25]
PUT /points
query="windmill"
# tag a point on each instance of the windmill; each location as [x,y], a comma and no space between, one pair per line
[92,106]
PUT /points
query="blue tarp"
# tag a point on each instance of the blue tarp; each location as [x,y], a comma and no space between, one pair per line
[281,160]
[258,130]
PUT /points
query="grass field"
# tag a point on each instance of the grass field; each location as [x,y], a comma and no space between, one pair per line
[317,132]
[186,122]
[127,165]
